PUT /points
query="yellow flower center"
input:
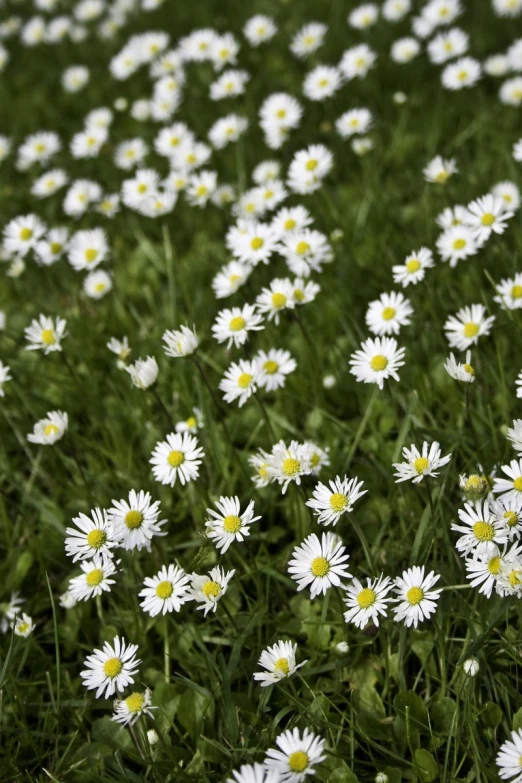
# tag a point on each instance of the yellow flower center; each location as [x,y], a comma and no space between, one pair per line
[244,380]
[458,244]
[202,191]
[281,113]
[298,294]
[48,337]
[323,82]
[191,422]
[379,362]
[469,369]
[112,667]
[237,323]
[94,577]
[191,158]
[282,665]
[257,243]
[311,164]
[516,291]
[514,581]
[211,589]
[302,248]
[133,519]
[518,484]
[289,224]
[298,761]
[99,287]
[142,188]
[338,502]
[494,565]
[51,429]
[483,531]
[470,329]
[441,177]
[388,313]
[134,702]
[366,598]
[96,538]
[420,465]
[278,300]
[26,234]
[91,255]
[176,458]
[55,248]
[462,75]
[291,467]
[164,590]
[320,566]
[270,367]
[39,147]
[415,595]
[487,219]
[314,461]
[22,627]
[231,524]
[511,518]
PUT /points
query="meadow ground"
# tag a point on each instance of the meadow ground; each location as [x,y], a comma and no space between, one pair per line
[386,699]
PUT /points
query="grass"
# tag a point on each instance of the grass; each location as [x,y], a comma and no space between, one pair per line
[397,701]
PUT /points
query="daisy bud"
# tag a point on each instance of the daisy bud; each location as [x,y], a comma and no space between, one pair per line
[471,667]
[474,487]
[381,777]
[152,737]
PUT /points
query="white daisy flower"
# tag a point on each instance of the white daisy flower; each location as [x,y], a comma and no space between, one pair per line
[239,381]
[322,82]
[319,458]
[180,343]
[508,512]
[330,503]
[290,219]
[260,462]
[354,121]
[52,248]
[207,590]
[304,291]
[463,73]
[439,170]
[273,367]
[413,269]
[509,292]
[47,431]
[167,591]
[510,92]
[192,424]
[297,755]
[120,347]
[308,168]
[279,662]
[365,604]
[177,457]
[509,580]
[457,243]
[510,488]
[230,279]
[229,84]
[45,333]
[357,61]
[49,183]
[451,216]
[21,234]
[234,324]
[394,10]
[377,360]
[276,298]
[259,29]
[200,188]
[509,193]
[127,711]
[143,372]
[465,327]
[319,564]
[509,757]
[308,39]
[252,243]
[23,625]
[289,463]
[135,521]
[363,16]
[460,371]
[483,569]
[94,579]
[387,314]
[448,44]
[487,215]
[416,600]
[405,49]
[67,600]
[92,536]
[111,669]
[97,284]
[480,529]
[419,464]
[230,524]
[305,251]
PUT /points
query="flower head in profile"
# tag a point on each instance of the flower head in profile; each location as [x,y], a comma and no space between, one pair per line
[143,372]
[279,662]
[418,464]
[229,523]
[179,343]
[23,625]
[329,503]
[440,170]
[377,360]
[416,600]
[45,334]
[165,592]
[209,588]
[47,431]
[319,564]
[112,668]
[296,756]
[460,371]
[127,711]
[177,457]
